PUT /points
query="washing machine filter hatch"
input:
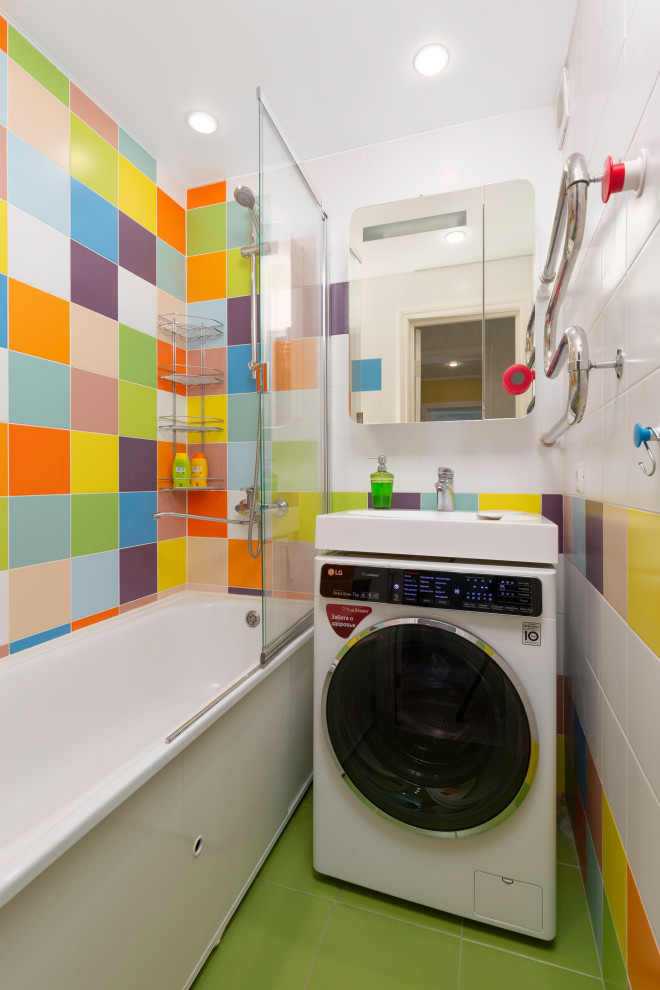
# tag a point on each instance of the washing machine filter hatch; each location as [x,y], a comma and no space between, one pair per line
[430,727]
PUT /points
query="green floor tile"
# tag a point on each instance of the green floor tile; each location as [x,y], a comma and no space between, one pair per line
[393,907]
[614,968]
[566,853]
[290,862]
[270,943]
[573,946]
[308,797]
[363,951]
[483,968]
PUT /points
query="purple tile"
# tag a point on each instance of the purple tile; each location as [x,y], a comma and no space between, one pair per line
[401,500]
[138,470]
[552,507]
[238,320]
[138,572]
[568,525]
[312,314]
[339,307]
[137,249]
[93,281]
[255,592]
[594,541]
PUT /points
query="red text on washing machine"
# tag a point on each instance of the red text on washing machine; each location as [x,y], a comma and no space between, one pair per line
[344,618]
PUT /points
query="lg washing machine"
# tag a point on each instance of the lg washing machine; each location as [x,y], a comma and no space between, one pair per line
[435,734]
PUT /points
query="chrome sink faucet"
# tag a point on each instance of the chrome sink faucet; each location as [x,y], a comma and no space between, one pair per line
[444,487]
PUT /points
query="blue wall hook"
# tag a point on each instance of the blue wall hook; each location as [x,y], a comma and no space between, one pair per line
[643,435]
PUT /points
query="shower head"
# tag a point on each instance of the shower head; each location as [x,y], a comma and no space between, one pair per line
[245,197]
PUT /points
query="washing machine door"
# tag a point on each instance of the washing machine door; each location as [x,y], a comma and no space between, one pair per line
[430,727]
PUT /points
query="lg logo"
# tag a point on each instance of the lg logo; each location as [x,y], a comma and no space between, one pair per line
[531,633]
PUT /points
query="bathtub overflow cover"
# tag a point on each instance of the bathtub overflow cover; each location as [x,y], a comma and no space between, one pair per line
[253,619]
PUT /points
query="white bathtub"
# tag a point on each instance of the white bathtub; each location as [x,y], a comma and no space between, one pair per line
[101,817]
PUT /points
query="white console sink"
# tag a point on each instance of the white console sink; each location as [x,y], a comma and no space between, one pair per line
[516,536]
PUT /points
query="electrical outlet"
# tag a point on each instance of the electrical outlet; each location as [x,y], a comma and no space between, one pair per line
[579,476]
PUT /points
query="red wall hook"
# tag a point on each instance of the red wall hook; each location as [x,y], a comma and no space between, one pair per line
[517,379]
[623,176]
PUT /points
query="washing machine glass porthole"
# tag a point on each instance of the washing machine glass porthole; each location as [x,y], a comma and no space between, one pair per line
[428,727]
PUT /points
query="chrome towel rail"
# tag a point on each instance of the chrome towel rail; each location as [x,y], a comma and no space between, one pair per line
[186,515]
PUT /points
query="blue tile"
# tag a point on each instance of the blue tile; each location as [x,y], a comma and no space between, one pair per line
[214,309]
[39,391]
[238,225]
[3,310]
[94,221]
[136,525]
[129,148]
[3,89]
[429,501]
[42,637]
[580,535]
[37,185]
[466,501]
[370,375]
[170,270]
[39,529]
[240,465]
[94,583]
[239,378]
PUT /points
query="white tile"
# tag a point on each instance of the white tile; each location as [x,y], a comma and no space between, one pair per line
[613,245]
[642,45]
[38,254]
[339,361]
[643,708]
[643,212]
[616,447]
[615,336]
[616,126]
[4,607]
[349,467]
[614,667]
[4,385]
[506,465]
[174,189]
[643,832]
[295,415]
[594,628]
[451,453]
[404,463]
[138,303]
[643,335]
[615,770]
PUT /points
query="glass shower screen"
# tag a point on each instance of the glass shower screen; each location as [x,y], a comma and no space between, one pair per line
[292,260]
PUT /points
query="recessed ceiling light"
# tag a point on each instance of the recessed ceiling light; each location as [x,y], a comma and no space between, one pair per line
[453,364]
[455,236]
[431,59]
[202,121]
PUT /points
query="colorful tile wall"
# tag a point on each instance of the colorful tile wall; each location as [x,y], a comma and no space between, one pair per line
[91,240]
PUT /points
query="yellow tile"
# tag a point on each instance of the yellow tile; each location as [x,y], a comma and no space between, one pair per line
[3,237]
[171,563]
[516,503]
[137,195]
[311,505]
[644,576]
[287,527]
[561,783]
[94,463]
[614,874]
[215,407]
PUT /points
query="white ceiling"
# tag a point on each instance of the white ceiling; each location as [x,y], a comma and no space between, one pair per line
[338,75]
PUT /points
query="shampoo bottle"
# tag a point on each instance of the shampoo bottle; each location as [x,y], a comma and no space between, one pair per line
[181,470]
[381,485]
[199,471]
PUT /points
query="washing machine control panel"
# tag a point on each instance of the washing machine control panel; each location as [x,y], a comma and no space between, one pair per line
[505,593]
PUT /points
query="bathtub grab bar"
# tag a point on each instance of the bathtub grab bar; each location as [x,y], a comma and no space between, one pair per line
[185,515]
[216,701]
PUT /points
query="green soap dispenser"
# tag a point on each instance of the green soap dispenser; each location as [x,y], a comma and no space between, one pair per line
[381,485]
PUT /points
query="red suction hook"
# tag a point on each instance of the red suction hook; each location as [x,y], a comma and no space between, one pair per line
[623,176]
[517,379]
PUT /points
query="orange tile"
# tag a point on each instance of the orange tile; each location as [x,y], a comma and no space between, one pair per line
[207,562]
[91,619]
[207,276]
[164,353]
[209,195]
[242,570]
[3,459]
[38,323]
[39,461]
[39,597]
[93,116]
[171,222]
[201,503]
[643,953]
[310,362]
[165,455]
[3,34]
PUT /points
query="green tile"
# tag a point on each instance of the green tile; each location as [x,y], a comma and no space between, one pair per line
[290,862]
[311,505]
[93,160]
[129,148]
[94,523]
[308,797]
[4,555]
[206,230]
[39,529]
[614,968]
[270,943]
[595,894]
[242,415]
[566,853]
[137,411]
[238,274]
[362,951]
[295,464]
[344,501]
[137,357]
[573,946]
[238,226]
[38,65]
[483,968]
[393,907]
